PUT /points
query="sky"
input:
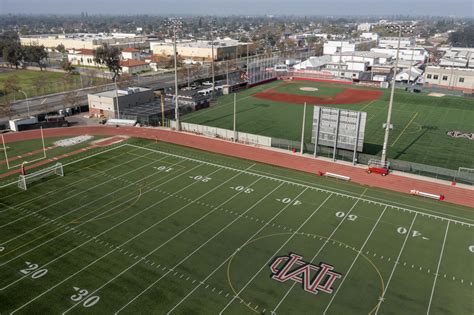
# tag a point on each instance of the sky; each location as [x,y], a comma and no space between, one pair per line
[458,8]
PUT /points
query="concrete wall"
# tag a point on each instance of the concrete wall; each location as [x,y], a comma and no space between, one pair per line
[460,79]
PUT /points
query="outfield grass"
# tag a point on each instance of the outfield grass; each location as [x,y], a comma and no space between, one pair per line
[153,228]
[420,122]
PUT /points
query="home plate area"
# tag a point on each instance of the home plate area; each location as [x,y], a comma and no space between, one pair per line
[172,230]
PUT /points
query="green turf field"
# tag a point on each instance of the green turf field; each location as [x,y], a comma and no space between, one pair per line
[151,227]
[51,82]
[420,122]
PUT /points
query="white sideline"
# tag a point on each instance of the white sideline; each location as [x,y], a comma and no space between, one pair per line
[275,253]
[437,269]
[67,198]
[354,261]
[129,240]
[233,254]
[75,209]
[75,161]
[76,182]
[319,251]
[397,261]
[113,227]
[99,215]
[313,187]
[159,247]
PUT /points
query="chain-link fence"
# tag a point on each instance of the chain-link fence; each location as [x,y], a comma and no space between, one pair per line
[464,177]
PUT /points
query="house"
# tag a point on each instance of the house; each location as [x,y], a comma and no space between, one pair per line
[313,63]
[134,66]
[130,53]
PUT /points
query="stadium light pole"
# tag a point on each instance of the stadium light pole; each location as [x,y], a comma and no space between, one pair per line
[401,29]
[175,24]
[27,101]
[211,24]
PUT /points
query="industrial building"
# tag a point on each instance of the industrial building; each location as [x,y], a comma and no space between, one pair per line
[202,50]
[450,78]
[104,104]
[85,40]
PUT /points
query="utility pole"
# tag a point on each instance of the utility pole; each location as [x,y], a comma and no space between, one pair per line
[211,24]
[175,25]
[383,160]
[116,97]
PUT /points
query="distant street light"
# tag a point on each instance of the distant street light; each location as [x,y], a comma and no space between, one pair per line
[27,102]
[401,29]
[211,24]
[175,25]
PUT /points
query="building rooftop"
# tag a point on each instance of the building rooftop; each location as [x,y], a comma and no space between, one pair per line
[204,44]
[111,94]
[130,49]
[132,63]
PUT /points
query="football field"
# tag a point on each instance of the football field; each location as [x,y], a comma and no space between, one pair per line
[148,227]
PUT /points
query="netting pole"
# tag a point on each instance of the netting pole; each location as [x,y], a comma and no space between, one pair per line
[42,140]
[302,129]
[5,150]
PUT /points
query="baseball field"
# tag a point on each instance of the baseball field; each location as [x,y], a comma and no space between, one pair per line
[149,227]
[420,122]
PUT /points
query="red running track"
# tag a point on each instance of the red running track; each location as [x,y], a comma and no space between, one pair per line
[393,182]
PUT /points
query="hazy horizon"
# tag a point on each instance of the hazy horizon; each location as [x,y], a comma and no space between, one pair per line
[456,8]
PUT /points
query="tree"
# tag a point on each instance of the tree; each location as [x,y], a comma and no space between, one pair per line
[36,54]
[13,54]
[109,57]
[60,48]
[72,99]
[11,84]
[40,82]
[6,108]
[125,81]
[67,66]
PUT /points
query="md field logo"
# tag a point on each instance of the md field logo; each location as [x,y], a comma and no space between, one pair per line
[314,278]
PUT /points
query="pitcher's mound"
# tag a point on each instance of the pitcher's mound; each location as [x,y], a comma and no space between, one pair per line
[309,89]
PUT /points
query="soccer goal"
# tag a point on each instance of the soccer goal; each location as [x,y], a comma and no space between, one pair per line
[25,180]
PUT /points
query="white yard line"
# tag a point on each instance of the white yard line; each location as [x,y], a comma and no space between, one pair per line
[74,195]
[437,269]
[344,195]
[354,261]
[318,252]
[237,250]
[108,160]
[163,244]
[381,299]
[126,242]
[274,254]
[80,207]
[108,230]
[79,160]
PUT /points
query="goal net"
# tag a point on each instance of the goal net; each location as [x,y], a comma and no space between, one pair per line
[25,180]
